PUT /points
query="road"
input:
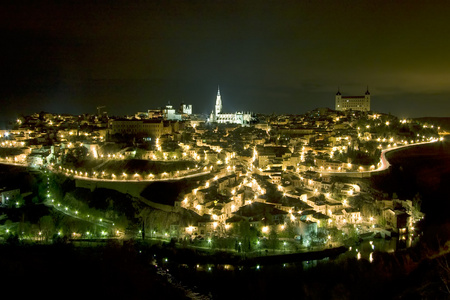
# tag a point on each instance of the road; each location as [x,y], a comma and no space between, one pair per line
[384,162]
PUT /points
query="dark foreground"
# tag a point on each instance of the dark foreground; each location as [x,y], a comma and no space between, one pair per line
[128,272]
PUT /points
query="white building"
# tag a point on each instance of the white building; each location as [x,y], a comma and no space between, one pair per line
[242,118]
[169,113]
[360,103]
[186,109]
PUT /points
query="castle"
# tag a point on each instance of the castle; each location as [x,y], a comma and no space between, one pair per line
[360,103]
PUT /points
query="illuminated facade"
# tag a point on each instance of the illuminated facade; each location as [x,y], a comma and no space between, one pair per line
[186,109]
[360,103]
[242,118]
[169,113]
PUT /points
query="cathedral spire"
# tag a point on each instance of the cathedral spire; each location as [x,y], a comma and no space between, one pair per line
[218,107]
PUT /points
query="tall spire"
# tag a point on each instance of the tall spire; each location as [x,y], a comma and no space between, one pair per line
[367,92]
[338,92]
[218,107]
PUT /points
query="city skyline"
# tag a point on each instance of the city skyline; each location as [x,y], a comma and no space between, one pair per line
[284,58]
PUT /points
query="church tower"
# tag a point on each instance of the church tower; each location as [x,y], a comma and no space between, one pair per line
[218,109]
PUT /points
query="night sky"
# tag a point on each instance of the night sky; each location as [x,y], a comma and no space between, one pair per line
[267,56]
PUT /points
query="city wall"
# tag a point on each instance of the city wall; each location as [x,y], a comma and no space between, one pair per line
[356,174]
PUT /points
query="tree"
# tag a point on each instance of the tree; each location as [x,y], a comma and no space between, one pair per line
[382,221]
[289,231]
[416,205]
[24,228]
[12,240]
[46,226]
[273,240]
[247,235]
[352,232]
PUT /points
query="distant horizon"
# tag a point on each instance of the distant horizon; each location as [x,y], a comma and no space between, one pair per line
[6,122]
[267,57]
[231,103]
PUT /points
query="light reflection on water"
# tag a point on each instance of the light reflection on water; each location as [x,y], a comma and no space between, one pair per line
[366,248]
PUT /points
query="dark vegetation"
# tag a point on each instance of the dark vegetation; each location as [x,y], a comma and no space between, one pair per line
[130,166]
[5,152]
[16,177]
[63,271]
[124,271]
[166,192]
[443,122]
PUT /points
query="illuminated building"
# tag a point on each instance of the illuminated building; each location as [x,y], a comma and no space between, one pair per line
[360,103]
[242,118]
[169,113]
[186,109]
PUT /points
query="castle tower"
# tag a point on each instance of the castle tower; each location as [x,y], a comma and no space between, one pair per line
[367,96]
[338,100]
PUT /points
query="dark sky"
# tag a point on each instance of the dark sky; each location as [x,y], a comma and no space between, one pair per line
[267,56]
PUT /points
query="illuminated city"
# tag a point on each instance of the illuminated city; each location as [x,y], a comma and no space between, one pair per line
[128,173]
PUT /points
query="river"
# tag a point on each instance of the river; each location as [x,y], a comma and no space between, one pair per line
[423,169]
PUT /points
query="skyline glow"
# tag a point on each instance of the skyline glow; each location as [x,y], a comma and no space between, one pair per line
[285,58]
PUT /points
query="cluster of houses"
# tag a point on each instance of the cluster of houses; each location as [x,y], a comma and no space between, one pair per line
[231,199]
[295,155]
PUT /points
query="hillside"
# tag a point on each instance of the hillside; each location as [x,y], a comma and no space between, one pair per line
[443,122]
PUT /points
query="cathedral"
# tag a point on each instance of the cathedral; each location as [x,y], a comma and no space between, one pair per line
[242,118]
